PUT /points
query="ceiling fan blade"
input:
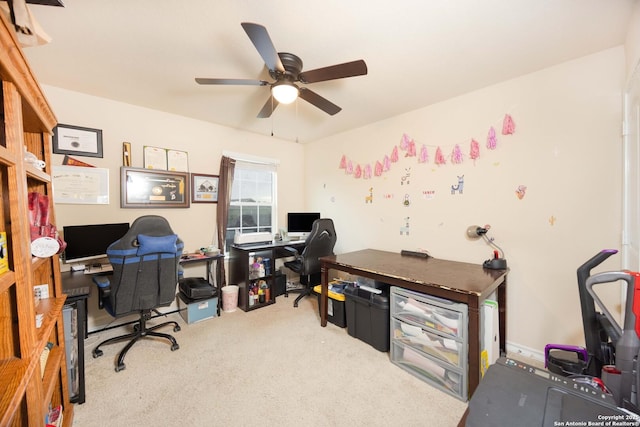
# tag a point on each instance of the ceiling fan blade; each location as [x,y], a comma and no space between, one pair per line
[245,82]
[340,71]
[261,40]
[268,108]
[320,102]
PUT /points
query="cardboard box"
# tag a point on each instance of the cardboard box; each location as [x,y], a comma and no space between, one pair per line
[4,254]
[197,310]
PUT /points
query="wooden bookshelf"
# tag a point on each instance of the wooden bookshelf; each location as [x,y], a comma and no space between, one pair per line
[26,394]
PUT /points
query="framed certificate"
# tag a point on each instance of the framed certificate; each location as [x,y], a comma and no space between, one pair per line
[77,141]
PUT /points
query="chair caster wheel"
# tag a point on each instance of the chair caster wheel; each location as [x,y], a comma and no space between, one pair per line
[295,305]
[120,367]
[176,328]
[175,347]
[96,353]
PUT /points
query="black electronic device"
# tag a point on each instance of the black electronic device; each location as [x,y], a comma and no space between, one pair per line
[512,390]
[417,254]
[301,222]
[89,242]
[196,288]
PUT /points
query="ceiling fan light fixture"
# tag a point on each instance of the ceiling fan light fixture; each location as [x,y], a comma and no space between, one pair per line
[284,92]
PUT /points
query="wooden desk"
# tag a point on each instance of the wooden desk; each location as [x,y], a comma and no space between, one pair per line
[461,282]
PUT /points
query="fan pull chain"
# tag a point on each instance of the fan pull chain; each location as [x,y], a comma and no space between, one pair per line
[271,117]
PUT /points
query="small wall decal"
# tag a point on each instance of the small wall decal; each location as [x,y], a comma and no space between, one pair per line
[404,179]
[407,200]
[459,186]
[349,169]
[357,172]
[429,194]
[404,230]
[521,191]
[387,196]
[552,220]
[369,198]
[343,162]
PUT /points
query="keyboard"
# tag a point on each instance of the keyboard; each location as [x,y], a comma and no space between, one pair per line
[97,269]
[82,290]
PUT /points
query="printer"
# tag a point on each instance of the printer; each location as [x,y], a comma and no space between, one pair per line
[252,238]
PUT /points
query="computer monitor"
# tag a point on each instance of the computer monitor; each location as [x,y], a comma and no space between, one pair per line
[301,222]
[90,242]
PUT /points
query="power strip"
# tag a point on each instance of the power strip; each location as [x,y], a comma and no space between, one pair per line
[416,254]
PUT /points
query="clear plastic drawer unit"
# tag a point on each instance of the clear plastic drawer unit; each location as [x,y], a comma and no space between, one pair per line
[429,339]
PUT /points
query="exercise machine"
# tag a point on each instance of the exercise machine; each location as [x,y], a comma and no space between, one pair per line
[610,355]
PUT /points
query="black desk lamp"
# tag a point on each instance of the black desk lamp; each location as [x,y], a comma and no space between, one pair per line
[498,262]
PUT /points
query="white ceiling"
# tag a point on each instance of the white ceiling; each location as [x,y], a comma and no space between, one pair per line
[418,52]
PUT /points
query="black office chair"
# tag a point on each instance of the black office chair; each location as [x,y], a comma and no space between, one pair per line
[145,276]
[319,243]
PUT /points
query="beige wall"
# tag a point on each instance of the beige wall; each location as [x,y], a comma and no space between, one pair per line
[205,143]
[566,150]
[632,45]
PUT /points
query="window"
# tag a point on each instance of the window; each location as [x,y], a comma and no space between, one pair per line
[253,199]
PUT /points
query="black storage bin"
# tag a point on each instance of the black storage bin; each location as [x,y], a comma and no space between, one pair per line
[335,305]
[368,316]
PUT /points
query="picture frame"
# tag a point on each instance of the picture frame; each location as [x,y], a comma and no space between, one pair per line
[204,188]
[77,141]
[148,188]
[80,185]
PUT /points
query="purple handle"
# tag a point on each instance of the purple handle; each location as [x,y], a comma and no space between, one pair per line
[574,348]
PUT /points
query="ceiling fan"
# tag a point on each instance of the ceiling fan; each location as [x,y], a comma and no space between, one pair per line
[286,70]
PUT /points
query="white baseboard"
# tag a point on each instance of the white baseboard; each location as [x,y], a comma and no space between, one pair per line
[513,348]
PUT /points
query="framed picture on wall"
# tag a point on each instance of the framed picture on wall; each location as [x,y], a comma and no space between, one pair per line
[77,141]
[147,188]
[204,188]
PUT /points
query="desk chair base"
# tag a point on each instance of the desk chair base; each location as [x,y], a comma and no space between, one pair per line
[308,282]
[140,330]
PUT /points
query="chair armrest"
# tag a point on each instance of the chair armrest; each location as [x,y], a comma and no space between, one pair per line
[292,251]
[104,287]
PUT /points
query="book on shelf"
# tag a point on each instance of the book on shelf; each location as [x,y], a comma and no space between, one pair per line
[39,319]
[54,417]
[40,292]
[4,255]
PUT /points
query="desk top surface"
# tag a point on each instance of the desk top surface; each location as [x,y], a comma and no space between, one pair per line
[268,245]
[467,278]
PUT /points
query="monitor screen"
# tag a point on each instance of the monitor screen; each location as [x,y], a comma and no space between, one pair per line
[301,222]
[86,242]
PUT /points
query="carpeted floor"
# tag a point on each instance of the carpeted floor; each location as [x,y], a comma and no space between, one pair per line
[274,366]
